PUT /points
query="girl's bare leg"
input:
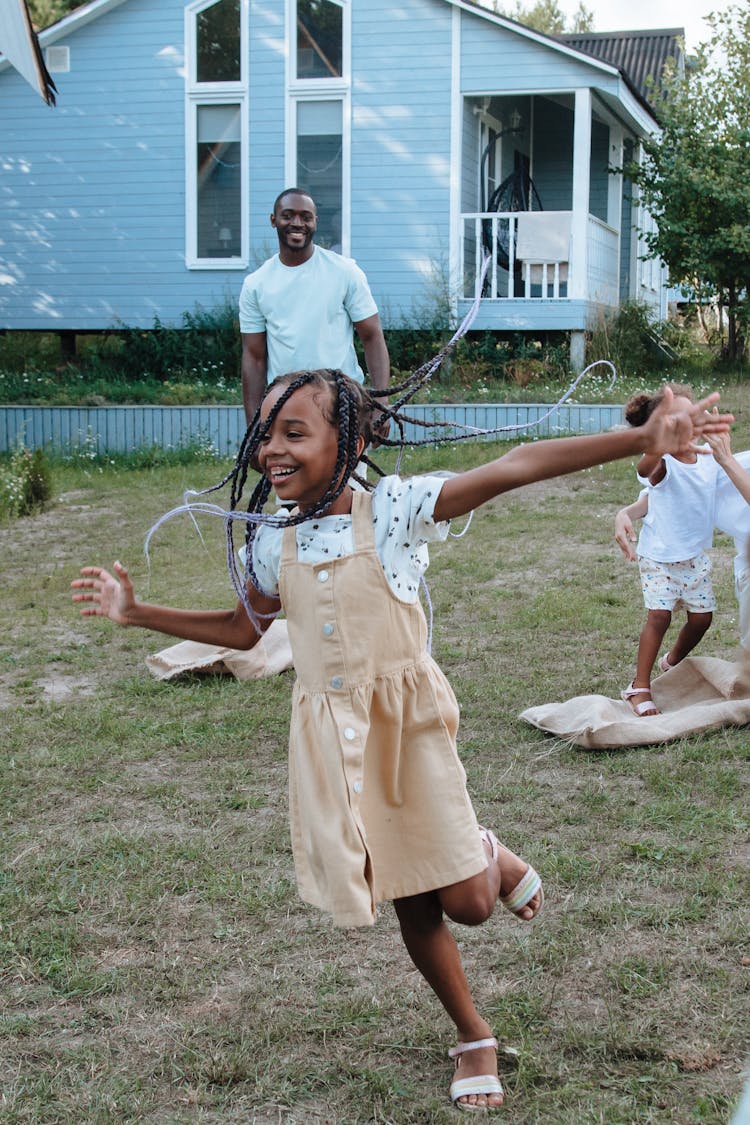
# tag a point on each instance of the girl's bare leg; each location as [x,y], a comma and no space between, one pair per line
[689,635]
[434,952]
[652,634]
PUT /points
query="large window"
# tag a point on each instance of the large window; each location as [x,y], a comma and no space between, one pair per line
[318,119]
[320,164]
[216,115]
[217,36]
[219,181]
[320,39]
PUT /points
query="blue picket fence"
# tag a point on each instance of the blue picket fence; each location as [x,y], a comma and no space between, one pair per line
[122,429]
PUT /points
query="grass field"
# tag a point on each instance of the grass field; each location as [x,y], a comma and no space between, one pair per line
[157,965]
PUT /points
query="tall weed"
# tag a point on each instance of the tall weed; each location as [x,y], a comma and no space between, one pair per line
[25,482]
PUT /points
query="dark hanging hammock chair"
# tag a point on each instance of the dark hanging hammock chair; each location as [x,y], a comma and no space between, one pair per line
[516,193]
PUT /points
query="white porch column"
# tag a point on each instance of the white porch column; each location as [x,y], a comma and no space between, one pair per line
[578,283]
[614,183]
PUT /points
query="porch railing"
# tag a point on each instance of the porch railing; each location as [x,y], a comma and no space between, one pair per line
[531,264]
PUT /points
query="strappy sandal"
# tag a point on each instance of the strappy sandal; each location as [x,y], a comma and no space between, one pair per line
[479,1083]
[664,664]
[525,889]
[646,707]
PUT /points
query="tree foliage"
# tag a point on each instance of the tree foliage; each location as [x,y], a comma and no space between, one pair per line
[548,17]
[695,178]
[45,12]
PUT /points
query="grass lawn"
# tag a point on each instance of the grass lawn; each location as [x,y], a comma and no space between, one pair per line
[157,965]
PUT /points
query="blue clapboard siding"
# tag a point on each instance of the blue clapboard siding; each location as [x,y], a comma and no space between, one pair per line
[122,429]
[92,224]
[498,59]
[400,160]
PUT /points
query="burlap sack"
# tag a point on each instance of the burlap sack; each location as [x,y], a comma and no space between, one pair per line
[271,655]
[701,693]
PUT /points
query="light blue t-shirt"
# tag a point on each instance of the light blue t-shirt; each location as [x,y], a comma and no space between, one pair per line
[307,312]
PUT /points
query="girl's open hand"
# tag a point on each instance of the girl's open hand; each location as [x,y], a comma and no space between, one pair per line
[107,597]
[667,432]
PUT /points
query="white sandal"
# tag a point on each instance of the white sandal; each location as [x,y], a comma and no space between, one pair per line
[525,889]
[664,664]
[479,1083]
[647,707]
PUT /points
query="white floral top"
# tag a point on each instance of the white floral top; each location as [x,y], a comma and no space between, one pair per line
[402,516]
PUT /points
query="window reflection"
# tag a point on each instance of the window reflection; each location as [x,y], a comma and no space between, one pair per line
[218,156]
[319,39]
[320,165]
[218,40]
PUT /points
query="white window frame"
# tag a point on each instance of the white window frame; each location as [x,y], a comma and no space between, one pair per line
[320,90]
[198,95]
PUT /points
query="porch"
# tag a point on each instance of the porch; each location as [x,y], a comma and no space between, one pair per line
[532,257]
[538,197]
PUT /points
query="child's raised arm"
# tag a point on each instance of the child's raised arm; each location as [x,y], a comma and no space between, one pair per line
[112,596]
[664,432]
[722,451]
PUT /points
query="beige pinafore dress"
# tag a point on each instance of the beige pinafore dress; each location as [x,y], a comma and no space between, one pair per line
[377,794]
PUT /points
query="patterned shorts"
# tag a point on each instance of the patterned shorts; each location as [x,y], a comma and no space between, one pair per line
[669,585]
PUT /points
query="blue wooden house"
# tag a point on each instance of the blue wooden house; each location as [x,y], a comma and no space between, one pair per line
[430,132]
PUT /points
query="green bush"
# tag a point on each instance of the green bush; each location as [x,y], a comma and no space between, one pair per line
[206,347]
[635,341]
[25,482]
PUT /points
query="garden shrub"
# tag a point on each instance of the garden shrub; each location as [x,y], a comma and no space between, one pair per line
[25,482]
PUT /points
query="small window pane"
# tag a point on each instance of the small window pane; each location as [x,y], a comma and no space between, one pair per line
[320,165]
[219,179]
[218,36]
[319,39]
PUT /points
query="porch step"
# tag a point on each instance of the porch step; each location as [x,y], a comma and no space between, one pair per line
[659,347]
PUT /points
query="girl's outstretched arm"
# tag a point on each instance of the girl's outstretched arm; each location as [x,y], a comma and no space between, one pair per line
[112,595]
[664,432]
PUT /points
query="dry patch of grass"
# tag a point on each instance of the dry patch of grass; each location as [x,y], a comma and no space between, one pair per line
[157,965]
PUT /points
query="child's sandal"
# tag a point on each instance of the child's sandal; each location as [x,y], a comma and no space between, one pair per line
[486,1084]
[646,707]
[527,887]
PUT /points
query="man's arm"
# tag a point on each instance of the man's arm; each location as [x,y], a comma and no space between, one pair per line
[377,359]
[254,371]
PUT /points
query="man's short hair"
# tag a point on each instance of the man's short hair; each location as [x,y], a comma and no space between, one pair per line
[292,191]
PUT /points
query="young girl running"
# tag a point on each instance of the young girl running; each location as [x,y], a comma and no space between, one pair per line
[731,515]
[378,802]
[674,567]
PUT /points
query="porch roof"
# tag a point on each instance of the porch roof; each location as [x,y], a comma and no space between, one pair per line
[640,56]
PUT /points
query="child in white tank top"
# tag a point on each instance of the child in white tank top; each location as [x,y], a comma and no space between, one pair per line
[674,567]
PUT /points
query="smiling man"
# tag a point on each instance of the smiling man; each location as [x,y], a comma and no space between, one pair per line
[300,309]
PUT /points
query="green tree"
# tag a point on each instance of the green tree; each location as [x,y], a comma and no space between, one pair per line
[548,17]
[695,177]
[45,12]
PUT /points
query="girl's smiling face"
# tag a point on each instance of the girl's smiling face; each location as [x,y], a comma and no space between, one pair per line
[298,455]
